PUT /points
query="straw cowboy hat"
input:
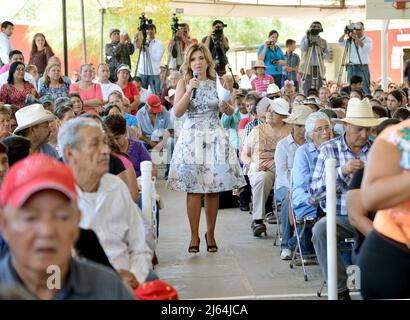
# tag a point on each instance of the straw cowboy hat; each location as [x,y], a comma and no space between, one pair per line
[262,106]
[31,116]
[299,115]
[360,113]
[260,64]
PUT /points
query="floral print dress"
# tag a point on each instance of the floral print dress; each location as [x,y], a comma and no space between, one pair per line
[203,160]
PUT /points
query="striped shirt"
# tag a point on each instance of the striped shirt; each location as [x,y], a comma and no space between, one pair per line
[251,125]
[339,150]
[261,84]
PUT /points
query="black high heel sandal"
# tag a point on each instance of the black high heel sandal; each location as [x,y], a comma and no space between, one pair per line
[194,249]
[213,248]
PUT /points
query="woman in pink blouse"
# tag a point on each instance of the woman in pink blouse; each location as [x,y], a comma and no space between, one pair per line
[90,92]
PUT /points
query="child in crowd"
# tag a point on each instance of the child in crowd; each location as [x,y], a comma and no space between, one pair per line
[262,80]
[292,64]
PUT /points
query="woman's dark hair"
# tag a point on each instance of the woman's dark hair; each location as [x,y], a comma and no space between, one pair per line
[272,32]
[380,111]
[385,124]
[116,124]
[401,114]
[13,68]
[336,103]
[18,148]
[397,95]
[108,108]
[61,111]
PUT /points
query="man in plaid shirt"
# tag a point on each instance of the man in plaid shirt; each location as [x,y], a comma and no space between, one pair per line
[350,152]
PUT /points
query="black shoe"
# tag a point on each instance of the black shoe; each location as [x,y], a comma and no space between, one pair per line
[193,249]
[258,228]
[210,248]
[244,208]
[271,218]
[344,295]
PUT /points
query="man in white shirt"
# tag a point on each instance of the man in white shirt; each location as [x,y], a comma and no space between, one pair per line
[107,87]
[7,29]
[14,56]
[149,67]
[105,201]
[246,79]
[358,43]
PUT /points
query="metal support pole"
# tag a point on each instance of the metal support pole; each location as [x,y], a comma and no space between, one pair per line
[331,228]
[83,27]
[102,36]
[385,53]
[64,8]
[146,190]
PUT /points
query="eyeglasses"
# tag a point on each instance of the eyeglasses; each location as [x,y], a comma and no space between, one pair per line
[20,69]
[322,129]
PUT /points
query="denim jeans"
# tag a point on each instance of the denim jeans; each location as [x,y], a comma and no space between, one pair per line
[280,195]
[153,81]
[364,73]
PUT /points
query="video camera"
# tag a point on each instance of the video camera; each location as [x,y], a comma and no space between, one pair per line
[352,27]
[145,24]
[218,31]
[175,25]
[314,31]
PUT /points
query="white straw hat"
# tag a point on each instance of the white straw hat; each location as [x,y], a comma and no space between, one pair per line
[299,115]
[360,113]
[30,116]
[280,106]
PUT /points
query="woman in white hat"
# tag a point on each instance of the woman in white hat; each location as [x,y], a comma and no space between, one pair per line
[262,80]
[258,153]
[90,93]
[284,155]
[129,89]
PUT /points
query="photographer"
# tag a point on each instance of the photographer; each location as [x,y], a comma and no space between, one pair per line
[118,51]
[179,42]
[273,57]
[151,52]
[218,45]
[358,65]
[315,64]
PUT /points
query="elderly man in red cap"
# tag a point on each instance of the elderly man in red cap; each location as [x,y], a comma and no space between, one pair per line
[156,127]
[40,223]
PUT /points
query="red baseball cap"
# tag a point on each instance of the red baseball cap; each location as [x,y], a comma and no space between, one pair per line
[35,173]
[155,103]
[155,290]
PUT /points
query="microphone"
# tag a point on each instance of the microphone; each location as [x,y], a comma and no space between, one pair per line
[195,74]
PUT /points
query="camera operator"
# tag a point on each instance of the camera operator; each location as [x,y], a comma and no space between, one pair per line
[273,57]
[218,45]
[149,66]
[312,39]
[179,43]
[118,51]
[364,44]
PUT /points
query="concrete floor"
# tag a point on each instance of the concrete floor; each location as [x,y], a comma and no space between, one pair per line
[245,267]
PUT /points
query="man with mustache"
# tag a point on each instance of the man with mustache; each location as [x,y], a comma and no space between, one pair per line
[105,200]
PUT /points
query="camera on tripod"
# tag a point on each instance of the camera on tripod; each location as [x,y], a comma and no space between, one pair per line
[145,24]
[352,27]
[175,25]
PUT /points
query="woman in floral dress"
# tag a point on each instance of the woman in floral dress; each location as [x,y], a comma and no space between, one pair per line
[203,161]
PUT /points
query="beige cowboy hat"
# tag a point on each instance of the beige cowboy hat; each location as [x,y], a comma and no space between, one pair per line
[260,64]
[360,113]
[31,116]
[299,115]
